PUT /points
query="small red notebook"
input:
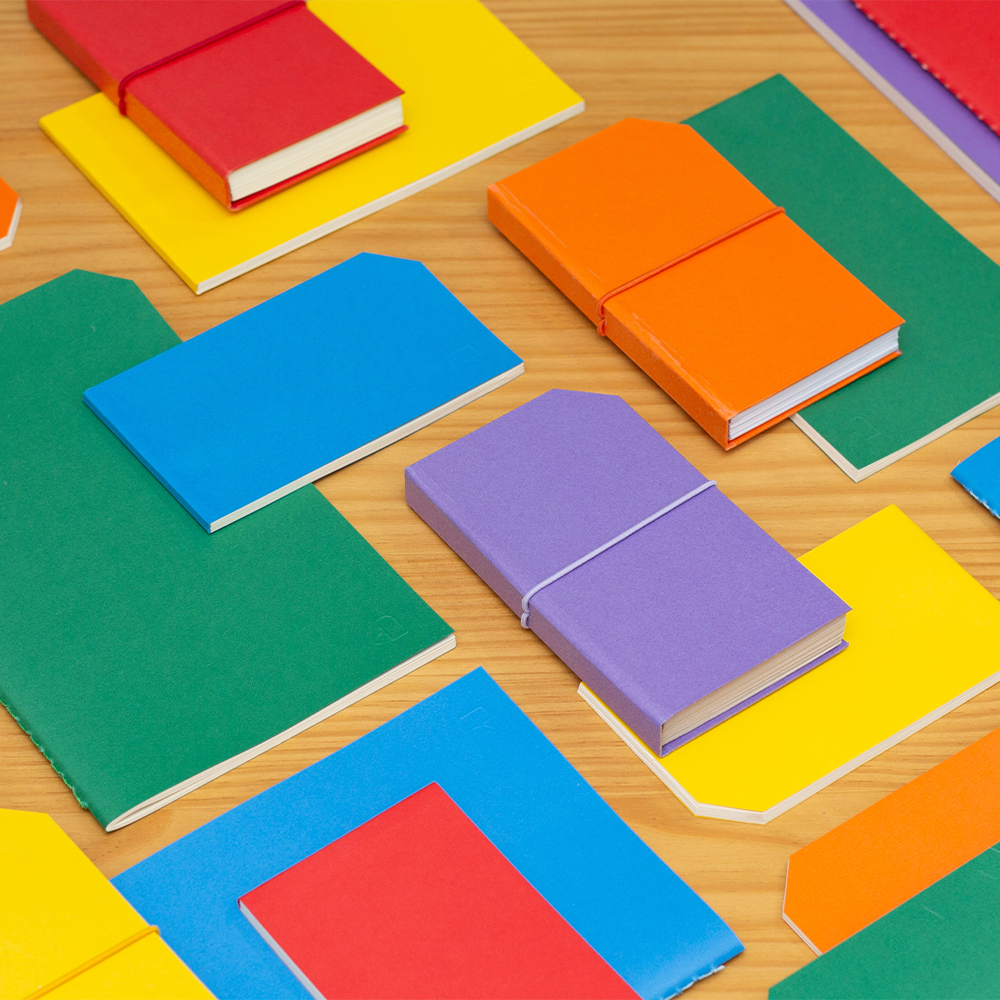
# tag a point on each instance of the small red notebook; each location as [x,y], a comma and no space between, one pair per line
[274,97]
[958,43]
[418,903]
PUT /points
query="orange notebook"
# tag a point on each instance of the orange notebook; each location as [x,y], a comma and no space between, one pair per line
[10,214]
[897,847]
[697,276]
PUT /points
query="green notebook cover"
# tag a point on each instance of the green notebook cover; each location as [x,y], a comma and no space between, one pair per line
[946,289]
[944,942]
[142,655]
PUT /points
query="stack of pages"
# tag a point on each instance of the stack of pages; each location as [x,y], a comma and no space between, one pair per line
[141,655]
[459,855]
[695,274]
[692,617]
[471,89]
[248,96]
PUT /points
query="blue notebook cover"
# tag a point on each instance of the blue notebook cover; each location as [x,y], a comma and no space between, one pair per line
[302,385]
[980,475]
[511,782]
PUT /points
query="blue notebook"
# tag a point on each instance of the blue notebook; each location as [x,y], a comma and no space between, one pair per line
[511,782]
[980,475]
[316,378]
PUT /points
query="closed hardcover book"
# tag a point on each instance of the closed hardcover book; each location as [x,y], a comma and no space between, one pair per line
[947,288]
[506,777]
[249,96]
[318,377]
[417,903]
[678,626]
[695,274]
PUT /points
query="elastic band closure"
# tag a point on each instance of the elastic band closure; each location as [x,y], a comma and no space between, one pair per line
[602,301]
[129,77]
[91,962]
[607,545]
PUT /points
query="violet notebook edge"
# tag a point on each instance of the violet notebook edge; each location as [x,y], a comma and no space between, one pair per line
[644,720]
[676,744]
[901,79]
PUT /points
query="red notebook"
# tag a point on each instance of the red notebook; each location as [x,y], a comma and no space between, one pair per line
[959,43]
[415,903]
[272,98]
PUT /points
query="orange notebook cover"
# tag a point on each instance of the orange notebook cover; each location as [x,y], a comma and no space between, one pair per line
[10,214]
[901,845]
[736,311]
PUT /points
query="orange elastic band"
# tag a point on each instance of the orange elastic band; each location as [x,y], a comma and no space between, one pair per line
[91,962]
[770,213]
[129,77]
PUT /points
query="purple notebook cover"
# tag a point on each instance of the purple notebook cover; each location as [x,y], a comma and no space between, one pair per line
[925,101]
[683,606]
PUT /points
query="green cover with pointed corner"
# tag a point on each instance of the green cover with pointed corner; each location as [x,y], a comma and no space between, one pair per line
[944,942]
[946,289]
[137,651]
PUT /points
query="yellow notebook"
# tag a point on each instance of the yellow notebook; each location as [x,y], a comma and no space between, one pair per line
[66,932]
[472,90]
[924,638]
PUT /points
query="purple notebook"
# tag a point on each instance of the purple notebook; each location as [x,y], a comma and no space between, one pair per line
[925,101]
[682,624]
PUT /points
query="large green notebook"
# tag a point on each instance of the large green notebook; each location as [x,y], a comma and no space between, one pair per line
[944,942]
[947,290]
[142,655]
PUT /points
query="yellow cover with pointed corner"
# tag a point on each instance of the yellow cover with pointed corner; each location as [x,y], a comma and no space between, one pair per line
[924,638]
[472,90]
[58,914]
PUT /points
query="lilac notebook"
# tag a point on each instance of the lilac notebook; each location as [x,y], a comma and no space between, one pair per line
[698,612]
[925,101]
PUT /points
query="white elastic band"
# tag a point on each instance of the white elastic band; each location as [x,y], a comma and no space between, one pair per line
[607,545]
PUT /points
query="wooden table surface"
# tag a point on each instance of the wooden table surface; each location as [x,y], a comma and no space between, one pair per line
[663,60]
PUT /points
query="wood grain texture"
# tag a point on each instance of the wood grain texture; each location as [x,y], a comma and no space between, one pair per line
[663,60]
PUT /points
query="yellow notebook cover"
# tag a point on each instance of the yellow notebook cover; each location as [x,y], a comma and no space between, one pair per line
[923,638]
[472,90]
[58,914]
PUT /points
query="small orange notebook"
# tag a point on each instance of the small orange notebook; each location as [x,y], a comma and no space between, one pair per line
[697,276]
[10,214]
[862,869]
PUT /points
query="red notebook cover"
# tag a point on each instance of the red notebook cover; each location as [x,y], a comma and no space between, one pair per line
[957,42]
[417,903]
[245,96]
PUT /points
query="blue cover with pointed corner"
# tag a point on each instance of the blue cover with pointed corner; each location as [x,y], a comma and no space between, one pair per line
[301,385]
[980,475]
[512,783]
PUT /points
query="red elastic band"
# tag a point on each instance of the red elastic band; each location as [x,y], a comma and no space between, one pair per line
[129,77]
[770,213]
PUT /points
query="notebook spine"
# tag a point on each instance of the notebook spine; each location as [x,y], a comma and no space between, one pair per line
[72,49]
[28,730]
